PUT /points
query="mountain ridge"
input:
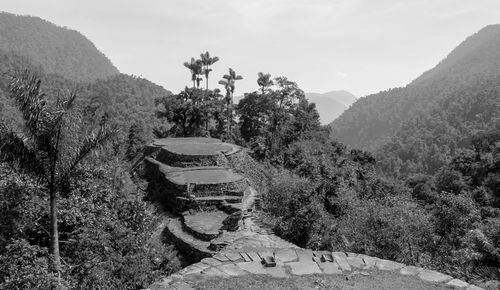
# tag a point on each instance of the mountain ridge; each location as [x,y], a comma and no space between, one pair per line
[371,121]
[57,49]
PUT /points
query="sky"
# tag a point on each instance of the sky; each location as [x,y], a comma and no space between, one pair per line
[362,46]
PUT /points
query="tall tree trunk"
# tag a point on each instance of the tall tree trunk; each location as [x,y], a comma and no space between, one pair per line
[54,232]
[55,261]
[230,118]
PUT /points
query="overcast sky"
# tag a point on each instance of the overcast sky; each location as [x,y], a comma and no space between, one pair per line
[362,46]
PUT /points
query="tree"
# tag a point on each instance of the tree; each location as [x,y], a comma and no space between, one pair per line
[228,82]
[254,111]
[264,81]
[195,67]
[207,61]
[48,148]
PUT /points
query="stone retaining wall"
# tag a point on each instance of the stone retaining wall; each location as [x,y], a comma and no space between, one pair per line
[297,262]
[178,160]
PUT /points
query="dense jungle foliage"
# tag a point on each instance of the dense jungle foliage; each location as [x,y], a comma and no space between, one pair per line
[428,195]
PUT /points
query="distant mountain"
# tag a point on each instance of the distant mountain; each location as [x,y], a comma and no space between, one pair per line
[57,49]
[332,104]
[64,59]
[373,120]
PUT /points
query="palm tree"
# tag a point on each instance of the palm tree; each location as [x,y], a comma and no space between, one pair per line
[195,67]
[228,83]
[207,61]
[264,81]
[45,150]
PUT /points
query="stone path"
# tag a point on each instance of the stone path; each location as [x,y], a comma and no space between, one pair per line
[297,262]
[251,248]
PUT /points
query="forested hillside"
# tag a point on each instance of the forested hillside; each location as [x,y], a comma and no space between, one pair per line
[58,50]
[102,217]
[373,120]
[429,141]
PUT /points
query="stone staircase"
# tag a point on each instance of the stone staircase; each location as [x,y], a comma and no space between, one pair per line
[211,206]
[213,218]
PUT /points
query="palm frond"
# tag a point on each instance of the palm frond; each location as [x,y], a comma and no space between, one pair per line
[16,149]
[24,88]
[94,141]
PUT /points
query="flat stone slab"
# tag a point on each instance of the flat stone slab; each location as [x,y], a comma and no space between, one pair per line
[246,258]
[356,262]
[369,261]
[214,272]
[387,265]
[410,270]
[474,287]
[304,268]
[285,255]
[233,257]
[328,267]
[341,260]
[179,285]
[220,257]
[304,255]
[433,276]
[276,272]
[254,256]
[252,267]
[457,283]
[232,270]
[211,262]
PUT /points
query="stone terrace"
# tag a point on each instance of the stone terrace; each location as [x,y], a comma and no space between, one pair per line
[218,226]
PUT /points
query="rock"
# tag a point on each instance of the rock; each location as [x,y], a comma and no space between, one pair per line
[328,267]
[252,267]
[304,268]
[182,286]
[369,261]
[355,262]
[474,287]
[277,272]
[304,254]
[341,254]
[457,283]
[254,256]
[221,257]
[233,257]
[214,272]
[387,265]
[341,260]
[193,269]
[285,255]
[433,276]
[410,270]
[211,262]
[246,257]
[232,270]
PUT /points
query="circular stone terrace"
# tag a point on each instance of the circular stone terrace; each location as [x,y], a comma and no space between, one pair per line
[200,175]
[196,146]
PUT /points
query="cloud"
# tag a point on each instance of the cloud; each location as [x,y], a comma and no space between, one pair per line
[341,75]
